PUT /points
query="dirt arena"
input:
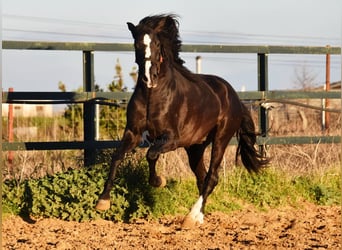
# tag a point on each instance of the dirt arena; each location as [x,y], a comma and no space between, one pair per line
[310,227]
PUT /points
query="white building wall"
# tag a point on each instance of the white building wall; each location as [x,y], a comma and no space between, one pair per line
[28,110]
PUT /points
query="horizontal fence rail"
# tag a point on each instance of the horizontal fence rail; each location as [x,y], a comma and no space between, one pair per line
[122,99]
[22,146]
[89,98]
[74,97]
[197,48]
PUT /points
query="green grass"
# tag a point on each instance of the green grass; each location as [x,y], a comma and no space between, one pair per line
[72,195]
[273,188]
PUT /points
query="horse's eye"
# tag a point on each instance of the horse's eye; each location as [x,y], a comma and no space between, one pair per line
[139,46]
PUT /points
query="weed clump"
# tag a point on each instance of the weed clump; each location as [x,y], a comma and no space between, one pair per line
[72,195]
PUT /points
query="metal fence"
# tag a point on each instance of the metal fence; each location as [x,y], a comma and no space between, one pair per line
[89,98]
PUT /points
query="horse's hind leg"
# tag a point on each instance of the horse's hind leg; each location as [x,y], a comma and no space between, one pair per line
[195,155]
[154,179]
[219,145]
[196,214]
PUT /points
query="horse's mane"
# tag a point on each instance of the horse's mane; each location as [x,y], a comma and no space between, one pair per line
[166,26]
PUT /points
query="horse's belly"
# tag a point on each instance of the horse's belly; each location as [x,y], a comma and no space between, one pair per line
[195,134]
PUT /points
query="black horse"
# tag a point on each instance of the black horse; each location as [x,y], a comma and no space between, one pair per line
[175,108]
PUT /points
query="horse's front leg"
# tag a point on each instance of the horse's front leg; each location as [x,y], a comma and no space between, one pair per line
[161,145]
[154,179]
[129,142]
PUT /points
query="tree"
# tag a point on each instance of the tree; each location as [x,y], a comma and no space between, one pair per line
[117,84]
[113,119]
[73,115]
[134,74]
[305,79]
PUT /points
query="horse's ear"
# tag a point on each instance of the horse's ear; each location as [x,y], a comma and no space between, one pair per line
[132,28]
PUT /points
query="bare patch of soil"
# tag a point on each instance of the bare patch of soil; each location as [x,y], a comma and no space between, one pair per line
[311,227]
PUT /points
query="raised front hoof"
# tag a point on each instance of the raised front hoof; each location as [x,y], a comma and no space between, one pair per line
[191,222]
[158,181]
[102,205]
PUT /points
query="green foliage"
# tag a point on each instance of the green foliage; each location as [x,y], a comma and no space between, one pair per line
[113,119]
[72,195]
[69,196]
[273,188]
[112,122]
[12,194]
[321,188]
[73,115]
[267,189]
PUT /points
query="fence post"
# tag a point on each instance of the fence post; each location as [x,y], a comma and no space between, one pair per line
[198,64]
[263,86]
[89,107]
[10,131]
[327,88]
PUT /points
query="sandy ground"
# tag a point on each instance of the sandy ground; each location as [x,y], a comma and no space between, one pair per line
[310,227]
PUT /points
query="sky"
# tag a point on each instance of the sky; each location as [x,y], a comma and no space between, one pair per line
[238,22]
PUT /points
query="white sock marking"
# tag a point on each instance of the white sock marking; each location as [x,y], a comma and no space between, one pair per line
[147,42]
[195,212]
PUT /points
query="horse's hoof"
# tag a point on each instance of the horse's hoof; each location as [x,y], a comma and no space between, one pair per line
[158,182]
[102,205]
[190,222]
[162,181]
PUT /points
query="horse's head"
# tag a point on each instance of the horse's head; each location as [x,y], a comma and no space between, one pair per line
[148,54]
[156,43]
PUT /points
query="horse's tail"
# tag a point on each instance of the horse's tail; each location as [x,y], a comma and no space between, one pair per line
[246,135]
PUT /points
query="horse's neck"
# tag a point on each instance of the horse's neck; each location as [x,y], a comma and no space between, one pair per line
[174,80]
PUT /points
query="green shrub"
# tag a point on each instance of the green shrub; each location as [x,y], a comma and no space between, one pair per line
[321,188]
[72,195]
[12,195]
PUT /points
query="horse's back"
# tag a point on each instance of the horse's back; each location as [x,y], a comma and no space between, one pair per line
[230,100]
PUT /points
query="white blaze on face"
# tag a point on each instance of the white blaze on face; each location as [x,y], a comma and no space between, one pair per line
[195,212]
[147,42]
